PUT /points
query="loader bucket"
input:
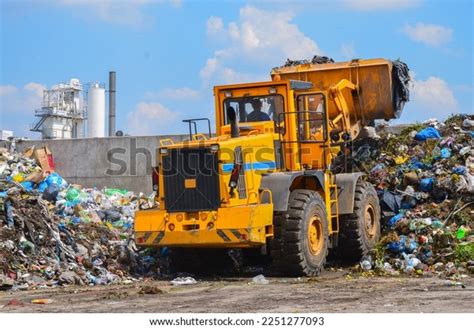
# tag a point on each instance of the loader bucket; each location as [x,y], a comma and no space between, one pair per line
[382,84]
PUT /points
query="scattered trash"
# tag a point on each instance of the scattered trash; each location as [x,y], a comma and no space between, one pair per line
[427,133]
[260,279]
[182,281]
[150,290]
[14,302]
[54,233]
[42,301]
[366,263]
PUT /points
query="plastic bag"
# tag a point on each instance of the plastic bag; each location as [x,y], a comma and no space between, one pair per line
[113,191]
[55,179]
[460,170]
[394,220]
[404,244]
[51,193]
[426,184]
[42,186]
[28,186]
[427,133]
[72,194]
[445,153]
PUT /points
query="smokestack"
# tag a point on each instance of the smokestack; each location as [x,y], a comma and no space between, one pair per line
[112,103]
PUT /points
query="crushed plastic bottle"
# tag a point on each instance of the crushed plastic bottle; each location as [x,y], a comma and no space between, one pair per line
[366,263]
[260,279]
[183,281]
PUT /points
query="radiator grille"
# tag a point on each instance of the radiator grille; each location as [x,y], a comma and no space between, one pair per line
[199,164]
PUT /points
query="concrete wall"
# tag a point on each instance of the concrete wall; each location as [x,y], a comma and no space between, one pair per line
[118,162]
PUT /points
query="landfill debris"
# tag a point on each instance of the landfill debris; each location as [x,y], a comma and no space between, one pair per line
[366,263]
[6,282]
[315,60]
[41,301]
[14,302]
[55,233]
[260,279]
[150,290]
[424,176]
[183,281]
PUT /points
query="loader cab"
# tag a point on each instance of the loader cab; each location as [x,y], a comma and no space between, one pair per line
[257,106]
[289,110]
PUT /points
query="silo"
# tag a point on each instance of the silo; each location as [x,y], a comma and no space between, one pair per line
[96,111]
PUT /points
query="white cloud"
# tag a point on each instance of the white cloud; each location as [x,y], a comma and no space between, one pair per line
[184,93]
[150,118]
[25,99]
[432,97]
[35,88]
[434,93]
[429,34]
[348,50]
[18,105]
[259,36]
[214,25]
[7,89]
[373,5]
[209,69]
[124,12]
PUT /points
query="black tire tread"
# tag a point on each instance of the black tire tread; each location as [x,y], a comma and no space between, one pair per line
[351,244]
[287,249]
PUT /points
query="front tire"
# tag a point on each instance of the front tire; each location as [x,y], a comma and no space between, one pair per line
[300,244]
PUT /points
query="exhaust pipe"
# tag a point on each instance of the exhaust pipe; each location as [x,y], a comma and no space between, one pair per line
[234,126]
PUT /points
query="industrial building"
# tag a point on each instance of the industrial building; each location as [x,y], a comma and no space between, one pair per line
[75,110]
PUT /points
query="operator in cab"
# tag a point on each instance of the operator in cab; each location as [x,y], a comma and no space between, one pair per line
[257,114]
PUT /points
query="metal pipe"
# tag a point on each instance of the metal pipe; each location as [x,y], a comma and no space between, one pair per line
[112,91]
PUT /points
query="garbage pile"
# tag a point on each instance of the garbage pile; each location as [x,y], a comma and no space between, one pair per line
[54,233]
[425,179]
[315,60]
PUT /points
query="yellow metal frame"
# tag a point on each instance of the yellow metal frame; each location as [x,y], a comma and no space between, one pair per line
[239,226]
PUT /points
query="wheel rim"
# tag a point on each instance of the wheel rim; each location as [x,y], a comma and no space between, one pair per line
[370,223]
[315,235]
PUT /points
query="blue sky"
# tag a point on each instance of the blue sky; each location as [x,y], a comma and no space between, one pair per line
[169,54]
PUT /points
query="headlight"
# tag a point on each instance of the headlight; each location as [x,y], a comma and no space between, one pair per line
[163,150]
[214,147]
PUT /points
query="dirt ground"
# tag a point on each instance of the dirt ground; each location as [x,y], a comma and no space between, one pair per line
[331,292]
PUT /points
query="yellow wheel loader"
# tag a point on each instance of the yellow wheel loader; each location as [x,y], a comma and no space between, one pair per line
[275,177]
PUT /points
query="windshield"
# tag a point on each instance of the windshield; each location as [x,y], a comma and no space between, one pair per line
[255,108]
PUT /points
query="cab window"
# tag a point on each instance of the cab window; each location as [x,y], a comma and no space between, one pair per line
[311,112]
[256,108]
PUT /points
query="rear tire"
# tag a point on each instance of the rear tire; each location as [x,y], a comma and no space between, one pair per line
[360,231]
[300,243]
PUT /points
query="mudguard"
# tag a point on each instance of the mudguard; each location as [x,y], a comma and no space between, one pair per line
[279,184]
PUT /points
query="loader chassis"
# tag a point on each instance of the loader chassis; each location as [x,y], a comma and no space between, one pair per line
[268,180]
